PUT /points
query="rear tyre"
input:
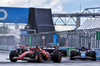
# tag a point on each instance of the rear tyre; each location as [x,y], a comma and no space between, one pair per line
[72,54]
[12,54]
[38,56]
[57,56]
[64,52]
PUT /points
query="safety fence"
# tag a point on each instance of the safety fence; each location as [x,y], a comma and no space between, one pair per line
[7,42]
[88,38]
[7,47]
[75,38]
[41,39]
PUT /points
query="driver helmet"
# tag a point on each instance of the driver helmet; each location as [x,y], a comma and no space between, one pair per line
[54,46]
[37,46]
[82,46]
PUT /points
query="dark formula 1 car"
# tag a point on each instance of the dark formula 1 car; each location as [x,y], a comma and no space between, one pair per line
[63,51]
[82,53]
[35,54]
[51,48]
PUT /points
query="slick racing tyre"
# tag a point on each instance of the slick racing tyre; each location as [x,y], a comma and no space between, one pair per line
[64,52]
[72,58]
[38,56]
[93,55]
[12,54]
[57,56]
[72,54]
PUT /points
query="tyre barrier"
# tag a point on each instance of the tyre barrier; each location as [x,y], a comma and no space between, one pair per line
[97,53]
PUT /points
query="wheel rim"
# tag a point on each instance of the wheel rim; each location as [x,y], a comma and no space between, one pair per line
[47,56]
[36,57]
[60,57]
[40,57]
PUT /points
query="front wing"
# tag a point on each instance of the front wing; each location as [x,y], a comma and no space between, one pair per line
[79,57]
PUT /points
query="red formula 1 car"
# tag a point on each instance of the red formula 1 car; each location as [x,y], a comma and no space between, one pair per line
[35,54]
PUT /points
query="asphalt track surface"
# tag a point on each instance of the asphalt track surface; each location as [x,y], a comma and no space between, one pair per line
[65,62]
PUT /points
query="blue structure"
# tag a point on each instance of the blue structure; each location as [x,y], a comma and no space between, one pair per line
[54,39]
[14,15]
[24,32]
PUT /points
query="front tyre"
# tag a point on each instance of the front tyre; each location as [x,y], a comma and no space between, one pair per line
[93,55]
[57,56]
[72,54]
[12,54]
[72,58]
